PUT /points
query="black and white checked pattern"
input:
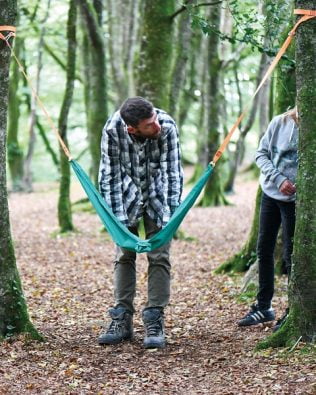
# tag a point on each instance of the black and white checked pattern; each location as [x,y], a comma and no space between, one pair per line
[141,176]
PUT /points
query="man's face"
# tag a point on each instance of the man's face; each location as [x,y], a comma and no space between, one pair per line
[147,128]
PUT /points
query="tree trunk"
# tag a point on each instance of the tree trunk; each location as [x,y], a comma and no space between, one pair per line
[27,176]
[15,153]
[201,138]
[213,193]
[153,70]
[27,100]
[181,59]
[64,205]
[115,44]
[95,82]
[285,77]
[264,108]
[195,75]
[14,318]
[301,323]
[130,47]
[302,294]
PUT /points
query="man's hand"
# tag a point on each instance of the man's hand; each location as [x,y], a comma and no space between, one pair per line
[287,188]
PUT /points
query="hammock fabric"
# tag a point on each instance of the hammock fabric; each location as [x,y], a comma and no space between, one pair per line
[120,234]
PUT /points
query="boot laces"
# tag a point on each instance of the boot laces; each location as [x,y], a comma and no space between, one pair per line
[115,326]
[153,328]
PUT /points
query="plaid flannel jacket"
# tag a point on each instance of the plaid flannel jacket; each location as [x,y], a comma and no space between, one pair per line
[137,177]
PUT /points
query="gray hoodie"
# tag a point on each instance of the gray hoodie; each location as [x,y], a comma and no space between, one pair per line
[277,156]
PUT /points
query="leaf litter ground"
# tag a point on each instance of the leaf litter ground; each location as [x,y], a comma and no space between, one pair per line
[68,286]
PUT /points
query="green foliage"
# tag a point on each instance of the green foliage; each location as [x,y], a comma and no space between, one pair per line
[249,295]
[248,27]
[286,336]
[239,263]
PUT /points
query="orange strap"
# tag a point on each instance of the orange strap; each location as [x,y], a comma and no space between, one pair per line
[10,29]
[307,14]
[298,11]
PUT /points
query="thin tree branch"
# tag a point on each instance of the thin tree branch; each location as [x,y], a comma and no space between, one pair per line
[185,6]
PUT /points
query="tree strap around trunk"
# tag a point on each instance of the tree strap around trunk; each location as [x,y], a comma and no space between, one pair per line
[307,14]
[10,29]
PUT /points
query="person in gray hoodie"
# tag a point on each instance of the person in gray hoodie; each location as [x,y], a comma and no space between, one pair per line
[277,159]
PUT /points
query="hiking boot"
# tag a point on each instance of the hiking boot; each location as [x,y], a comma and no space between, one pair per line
[154,326]
[281,321]
[257,316]
[121,327]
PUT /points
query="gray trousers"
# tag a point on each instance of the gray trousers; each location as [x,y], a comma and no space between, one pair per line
[158,272]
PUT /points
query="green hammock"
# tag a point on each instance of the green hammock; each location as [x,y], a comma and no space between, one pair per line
[119,233]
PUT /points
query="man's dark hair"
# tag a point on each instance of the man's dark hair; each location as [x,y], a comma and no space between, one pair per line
[136,109]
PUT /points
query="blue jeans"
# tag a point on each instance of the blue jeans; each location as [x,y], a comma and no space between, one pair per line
[273,213]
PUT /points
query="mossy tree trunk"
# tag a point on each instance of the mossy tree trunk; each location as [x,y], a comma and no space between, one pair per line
[14,318]
[131,43]
[285,77]
[301,323]
[94,61]
[213,194]
[154,66]
[182,48]
[64,205]
[201,138]
[116,48]
[193,78]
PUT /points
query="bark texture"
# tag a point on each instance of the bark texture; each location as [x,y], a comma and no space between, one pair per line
[301,324]
[64,205]
[15,153]
[214,191]
[94,61]
[14,317]
[303,285]
[181,59]
[153,70]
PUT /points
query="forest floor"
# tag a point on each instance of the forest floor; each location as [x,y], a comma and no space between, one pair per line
[68,286]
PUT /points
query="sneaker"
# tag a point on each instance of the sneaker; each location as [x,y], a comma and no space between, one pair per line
[154,326]
[256,316]
[120,328]
[281,321]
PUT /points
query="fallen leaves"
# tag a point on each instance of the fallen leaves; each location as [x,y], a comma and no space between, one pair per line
[68,286]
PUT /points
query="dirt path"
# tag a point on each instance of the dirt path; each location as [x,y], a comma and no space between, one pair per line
[68,286]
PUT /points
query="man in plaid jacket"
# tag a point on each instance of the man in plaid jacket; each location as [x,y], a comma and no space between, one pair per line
[140,177]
